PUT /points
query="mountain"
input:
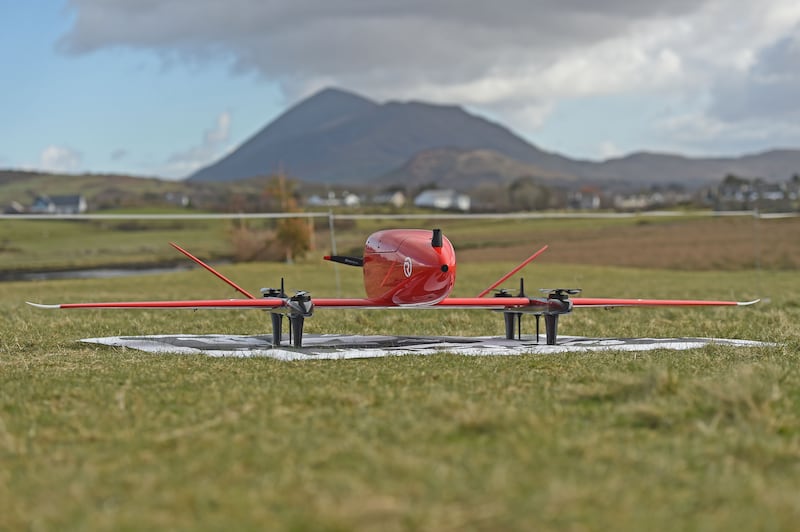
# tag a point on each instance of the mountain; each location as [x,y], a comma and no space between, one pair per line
[339,137]
[649,168]
[463,169]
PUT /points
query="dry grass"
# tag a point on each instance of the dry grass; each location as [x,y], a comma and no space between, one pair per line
[687,243]
[678,244]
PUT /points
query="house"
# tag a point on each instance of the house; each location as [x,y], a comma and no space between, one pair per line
[587,198]
[347,199]
[72,204]
[176,198]
[443,200]
[14,207]
[743,194]
[396,199]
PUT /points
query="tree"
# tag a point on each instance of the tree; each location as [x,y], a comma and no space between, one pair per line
[291,238]
[292,234]
[526,194]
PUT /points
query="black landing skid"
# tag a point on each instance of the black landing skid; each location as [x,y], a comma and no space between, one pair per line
[297,308]
[556,303]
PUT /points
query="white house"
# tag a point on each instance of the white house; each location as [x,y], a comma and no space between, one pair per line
[443,199]
[347,199]
[396,199]
[73,204]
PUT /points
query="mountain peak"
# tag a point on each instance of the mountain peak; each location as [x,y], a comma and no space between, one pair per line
[321,110]
[336,95]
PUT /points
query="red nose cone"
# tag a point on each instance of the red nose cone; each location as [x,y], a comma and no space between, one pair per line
[401,267]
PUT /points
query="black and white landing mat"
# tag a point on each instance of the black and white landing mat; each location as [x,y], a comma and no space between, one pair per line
[331,346]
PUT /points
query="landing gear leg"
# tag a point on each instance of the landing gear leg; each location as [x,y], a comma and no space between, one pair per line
[551,327]
[277,329]
[296,325]
[511,324]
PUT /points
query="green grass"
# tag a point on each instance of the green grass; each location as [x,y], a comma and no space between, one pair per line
[52,245]
[113,439]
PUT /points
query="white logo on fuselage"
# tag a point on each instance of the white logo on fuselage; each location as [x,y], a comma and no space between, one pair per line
[407,266]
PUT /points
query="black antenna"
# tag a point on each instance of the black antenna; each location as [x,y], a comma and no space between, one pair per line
[436,241]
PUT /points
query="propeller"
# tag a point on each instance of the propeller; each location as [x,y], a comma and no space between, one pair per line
[505,292]
[271,292]
[301,295]
[560,292]
[274,292]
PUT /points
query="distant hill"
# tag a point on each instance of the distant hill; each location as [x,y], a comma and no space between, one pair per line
[99,189]
[111,191]
[462,169]
[338,137]
[643,167]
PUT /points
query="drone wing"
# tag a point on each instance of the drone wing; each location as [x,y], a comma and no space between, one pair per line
[266,303]
[275,303]
[600,302]
[498,303]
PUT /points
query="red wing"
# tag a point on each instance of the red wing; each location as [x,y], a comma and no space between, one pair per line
[265,303]
[607,302]
[450,303]
[497,303]
[489,302]
[271,303]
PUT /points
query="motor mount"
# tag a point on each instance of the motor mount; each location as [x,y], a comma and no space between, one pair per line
[557,302]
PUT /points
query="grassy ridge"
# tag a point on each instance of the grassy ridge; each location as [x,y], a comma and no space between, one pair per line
[100,438]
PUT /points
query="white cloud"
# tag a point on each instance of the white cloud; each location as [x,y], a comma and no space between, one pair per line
[609,150]
[59,159]
[214,145]
[512,49]
[514,59]
[769,87]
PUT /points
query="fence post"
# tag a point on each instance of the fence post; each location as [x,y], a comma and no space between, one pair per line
[333,252]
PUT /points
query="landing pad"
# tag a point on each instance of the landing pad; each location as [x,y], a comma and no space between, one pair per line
[325,346]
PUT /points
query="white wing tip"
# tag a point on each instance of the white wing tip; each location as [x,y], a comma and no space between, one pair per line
[748,303]
[39,305]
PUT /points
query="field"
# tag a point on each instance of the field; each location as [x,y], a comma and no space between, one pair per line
[113,439]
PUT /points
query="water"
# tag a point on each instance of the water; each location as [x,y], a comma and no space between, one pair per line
[89,273]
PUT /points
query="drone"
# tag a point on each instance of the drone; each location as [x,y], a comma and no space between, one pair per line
[404,269]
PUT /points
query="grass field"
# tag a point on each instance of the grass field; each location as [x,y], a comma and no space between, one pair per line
[113,439]
[685,243]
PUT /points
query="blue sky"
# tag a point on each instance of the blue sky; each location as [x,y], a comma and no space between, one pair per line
[114,110]
[163,88]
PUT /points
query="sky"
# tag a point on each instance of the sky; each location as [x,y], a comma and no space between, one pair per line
[165,87]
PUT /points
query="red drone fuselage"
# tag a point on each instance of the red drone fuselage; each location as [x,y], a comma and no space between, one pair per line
[404,267]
